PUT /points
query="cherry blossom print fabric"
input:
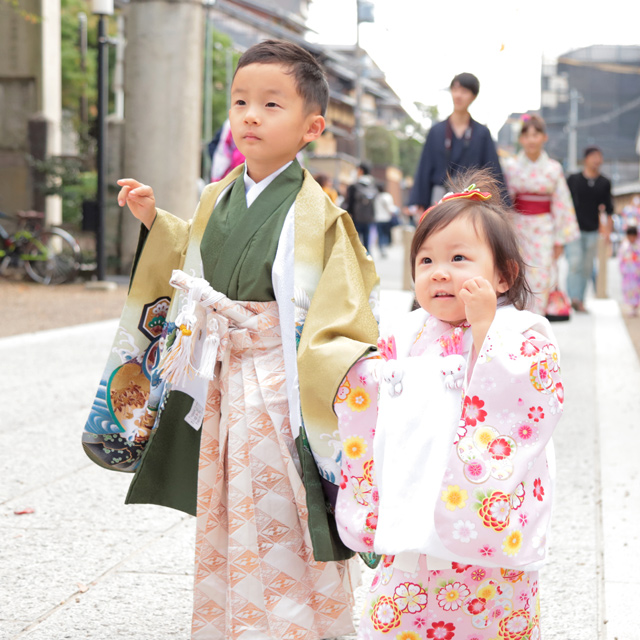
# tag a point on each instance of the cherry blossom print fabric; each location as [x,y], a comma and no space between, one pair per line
[476,578]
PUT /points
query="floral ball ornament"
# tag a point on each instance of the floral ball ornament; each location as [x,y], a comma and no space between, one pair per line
[494,510]
[385,615]
[486,454]
[516,626]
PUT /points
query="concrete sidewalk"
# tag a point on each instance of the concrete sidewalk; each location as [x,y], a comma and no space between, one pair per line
[84,565]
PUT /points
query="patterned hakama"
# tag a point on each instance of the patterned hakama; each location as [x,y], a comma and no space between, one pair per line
[255,573]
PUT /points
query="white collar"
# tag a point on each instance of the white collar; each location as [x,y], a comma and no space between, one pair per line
[253,189]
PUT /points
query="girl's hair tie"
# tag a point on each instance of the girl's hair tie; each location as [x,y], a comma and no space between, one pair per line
[470,193]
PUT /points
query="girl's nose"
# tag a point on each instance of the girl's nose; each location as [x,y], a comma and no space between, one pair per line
[440,274]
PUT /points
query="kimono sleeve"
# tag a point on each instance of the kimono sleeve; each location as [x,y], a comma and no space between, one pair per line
[356,406]
[495,501]
[565,224]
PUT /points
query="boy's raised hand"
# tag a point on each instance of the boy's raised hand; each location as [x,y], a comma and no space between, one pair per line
[139,198]
[480,303]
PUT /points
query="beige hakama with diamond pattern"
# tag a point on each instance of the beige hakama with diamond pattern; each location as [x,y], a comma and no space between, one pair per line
[255,576]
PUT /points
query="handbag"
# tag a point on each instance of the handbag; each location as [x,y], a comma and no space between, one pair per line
[558,306]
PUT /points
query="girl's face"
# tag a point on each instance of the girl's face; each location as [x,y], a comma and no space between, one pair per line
[445,261]
[532,142]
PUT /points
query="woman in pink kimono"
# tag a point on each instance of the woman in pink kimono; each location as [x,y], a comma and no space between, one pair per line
[447,470]
[546,219]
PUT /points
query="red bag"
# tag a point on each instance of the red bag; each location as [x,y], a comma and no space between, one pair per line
[558,306]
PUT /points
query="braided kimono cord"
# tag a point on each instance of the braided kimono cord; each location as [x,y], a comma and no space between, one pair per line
[177,364]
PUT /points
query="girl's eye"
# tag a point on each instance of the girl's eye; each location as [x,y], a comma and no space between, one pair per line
[271,104]
[425,261]
[458,258]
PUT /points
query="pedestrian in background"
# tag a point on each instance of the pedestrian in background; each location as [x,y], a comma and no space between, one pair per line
[385,213]
[629,261]
[446,433]
[323,180]
[545,219]
[360,201]
[456,144]
[591,193]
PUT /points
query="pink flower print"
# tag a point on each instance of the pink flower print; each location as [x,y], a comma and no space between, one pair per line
[459,568]
[441,631]
[375,496]
[451,596]
[372,520]
[474,636]
[523,518]
[487,551]
[497,612]
[536,414]
[560,392]
[477,575]
[538,489]
[465,531]
[419,622]
[410,597]
[472,411]
[368,541]
[474,606]
[525,432]
[345,480]
[499,449]
[363,380]
[528,349]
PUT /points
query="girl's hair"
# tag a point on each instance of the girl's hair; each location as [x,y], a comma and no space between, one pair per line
[491,219]
[533,122]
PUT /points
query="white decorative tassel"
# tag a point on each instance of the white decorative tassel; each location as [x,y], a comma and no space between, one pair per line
[209,355]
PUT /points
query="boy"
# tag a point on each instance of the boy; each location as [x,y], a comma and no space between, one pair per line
[268,561]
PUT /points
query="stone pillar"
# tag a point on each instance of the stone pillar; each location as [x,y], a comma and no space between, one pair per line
[163,105]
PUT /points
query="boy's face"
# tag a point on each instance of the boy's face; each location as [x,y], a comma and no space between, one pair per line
[462,97]
[269,119]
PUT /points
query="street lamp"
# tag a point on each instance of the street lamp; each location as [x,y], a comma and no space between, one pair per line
[102,8]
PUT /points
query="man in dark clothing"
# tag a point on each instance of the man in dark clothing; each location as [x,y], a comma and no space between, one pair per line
[456,144]
[591,193]
[360,203]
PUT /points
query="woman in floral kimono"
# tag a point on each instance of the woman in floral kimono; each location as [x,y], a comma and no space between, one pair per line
[546,219]
[448,466]
[629,260]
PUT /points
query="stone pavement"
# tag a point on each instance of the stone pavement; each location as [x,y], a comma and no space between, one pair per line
[85,566]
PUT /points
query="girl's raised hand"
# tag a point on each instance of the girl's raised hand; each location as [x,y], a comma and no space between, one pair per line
[480,303]
[140,200]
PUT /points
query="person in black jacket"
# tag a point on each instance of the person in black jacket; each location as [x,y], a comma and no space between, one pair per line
[455,144]
[591,193]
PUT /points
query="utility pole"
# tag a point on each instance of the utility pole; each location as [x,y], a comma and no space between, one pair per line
[358,91]
[572,130]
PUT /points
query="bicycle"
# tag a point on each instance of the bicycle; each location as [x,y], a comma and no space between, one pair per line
[49,256]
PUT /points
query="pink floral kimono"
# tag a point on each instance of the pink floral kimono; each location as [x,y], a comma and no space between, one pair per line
[448,474]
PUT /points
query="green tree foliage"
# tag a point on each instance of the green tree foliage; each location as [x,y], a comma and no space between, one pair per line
[410,150]
[223,54]
[381,146]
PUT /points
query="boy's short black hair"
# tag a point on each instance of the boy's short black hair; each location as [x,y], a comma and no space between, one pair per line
[468,81]
[311,81]
[591,149]
[365,168]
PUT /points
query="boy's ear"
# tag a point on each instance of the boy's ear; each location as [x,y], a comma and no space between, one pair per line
[315,128]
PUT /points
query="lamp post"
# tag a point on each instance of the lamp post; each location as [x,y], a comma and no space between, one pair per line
[102,8]
[364,12]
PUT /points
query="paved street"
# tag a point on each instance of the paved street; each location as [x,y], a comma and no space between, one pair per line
[85,566]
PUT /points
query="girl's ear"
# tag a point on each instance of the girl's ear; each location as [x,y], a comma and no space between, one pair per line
[506,280]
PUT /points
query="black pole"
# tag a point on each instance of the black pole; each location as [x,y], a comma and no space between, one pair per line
[103,74]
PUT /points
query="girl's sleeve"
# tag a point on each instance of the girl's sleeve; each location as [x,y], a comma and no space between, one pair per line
[565,223]
[495,500]
[356,406]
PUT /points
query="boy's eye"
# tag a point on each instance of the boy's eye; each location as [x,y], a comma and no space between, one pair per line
[240,103]
[458,258]
[271,104]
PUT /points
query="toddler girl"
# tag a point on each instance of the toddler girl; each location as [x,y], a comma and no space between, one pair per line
[447,470]
[629,259]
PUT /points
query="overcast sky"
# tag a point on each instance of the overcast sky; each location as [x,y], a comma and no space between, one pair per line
[422,44]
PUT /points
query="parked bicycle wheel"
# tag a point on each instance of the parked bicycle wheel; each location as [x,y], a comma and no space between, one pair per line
[54,257]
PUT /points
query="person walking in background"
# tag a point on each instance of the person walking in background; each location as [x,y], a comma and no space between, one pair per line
[545,219]
[323,180]
[456,144]
[591,193]
[385,210]
[360,200]
[629,261]
[446,433]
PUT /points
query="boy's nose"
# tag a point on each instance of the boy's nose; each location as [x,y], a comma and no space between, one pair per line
[251,117]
